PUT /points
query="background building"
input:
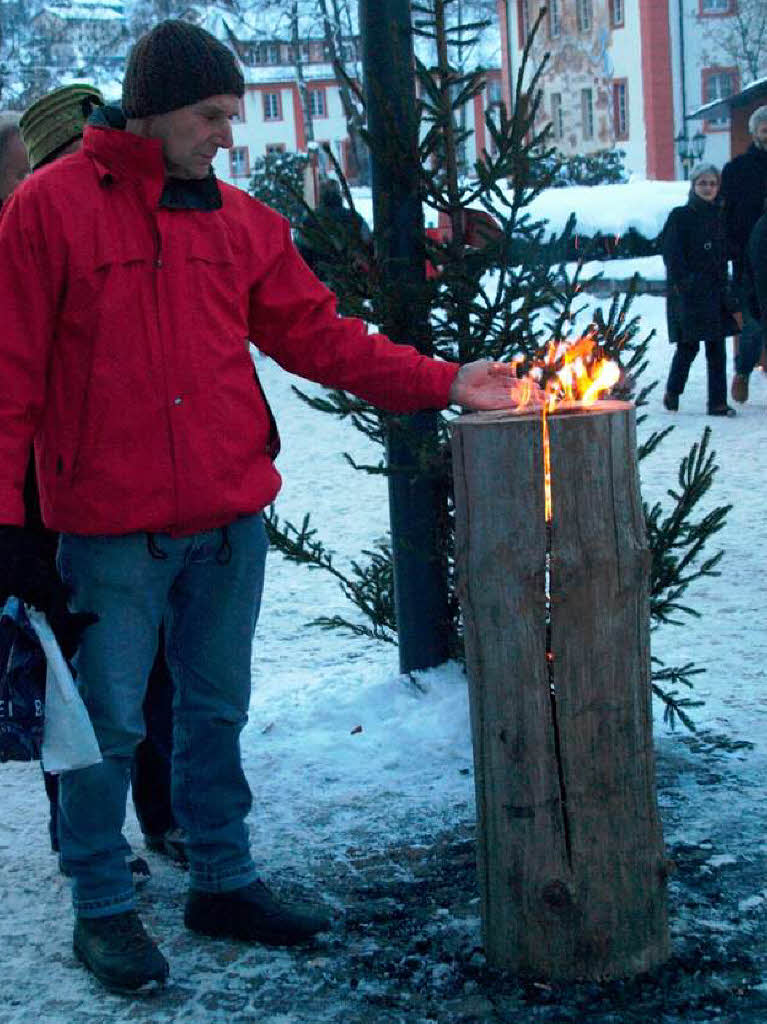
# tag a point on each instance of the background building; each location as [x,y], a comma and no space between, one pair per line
[626,73]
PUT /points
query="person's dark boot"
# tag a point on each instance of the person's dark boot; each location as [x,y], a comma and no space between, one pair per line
[118,952]
[671,402]
[170,844]
[253,914]
[739,389]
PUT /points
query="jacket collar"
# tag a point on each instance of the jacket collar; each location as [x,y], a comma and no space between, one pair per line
[122,156]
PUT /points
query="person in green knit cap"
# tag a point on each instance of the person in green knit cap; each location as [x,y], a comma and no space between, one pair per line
[52,127]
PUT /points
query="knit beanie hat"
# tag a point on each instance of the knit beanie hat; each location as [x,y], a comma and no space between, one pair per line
[174,65]
[54,121]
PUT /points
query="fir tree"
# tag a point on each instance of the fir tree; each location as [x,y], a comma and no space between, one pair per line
[500,299]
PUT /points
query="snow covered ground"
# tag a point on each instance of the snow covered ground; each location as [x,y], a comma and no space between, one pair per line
[349,762]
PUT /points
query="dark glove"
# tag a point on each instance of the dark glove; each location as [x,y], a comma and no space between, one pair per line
[68,627]
[28,572]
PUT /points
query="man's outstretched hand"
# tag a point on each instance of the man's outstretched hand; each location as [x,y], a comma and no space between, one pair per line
[486,385]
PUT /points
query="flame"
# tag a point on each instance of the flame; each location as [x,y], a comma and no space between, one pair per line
[606,375]
[570,371]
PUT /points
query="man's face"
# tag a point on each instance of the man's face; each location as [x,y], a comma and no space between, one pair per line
[191,136]
[760,135]
[14,168]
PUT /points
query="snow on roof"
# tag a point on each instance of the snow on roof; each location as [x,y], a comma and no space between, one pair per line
[84,10]
[277,73]
[736,99]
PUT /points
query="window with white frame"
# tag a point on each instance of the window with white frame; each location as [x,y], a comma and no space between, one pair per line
[587,113]
[617,13]
[272,106]
[317,103]
[557,116]
[239,164]
[717,85]
[555,19]
[583,14]
[716,6]
[273,148]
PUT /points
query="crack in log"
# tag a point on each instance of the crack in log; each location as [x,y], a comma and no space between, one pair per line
[553,705]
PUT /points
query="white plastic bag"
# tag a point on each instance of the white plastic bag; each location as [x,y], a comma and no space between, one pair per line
[69,741]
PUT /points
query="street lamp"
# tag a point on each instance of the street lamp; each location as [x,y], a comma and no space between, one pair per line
[689,150]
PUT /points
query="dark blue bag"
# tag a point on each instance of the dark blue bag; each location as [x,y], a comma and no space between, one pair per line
[22,685]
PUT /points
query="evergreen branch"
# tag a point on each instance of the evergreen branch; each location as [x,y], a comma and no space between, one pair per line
[373,632]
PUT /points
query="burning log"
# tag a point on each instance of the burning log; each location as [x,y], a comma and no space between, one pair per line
[556,612]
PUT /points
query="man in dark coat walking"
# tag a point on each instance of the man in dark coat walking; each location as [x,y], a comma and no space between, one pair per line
[744,189]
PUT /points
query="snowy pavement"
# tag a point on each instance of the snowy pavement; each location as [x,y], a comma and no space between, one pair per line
[363,792]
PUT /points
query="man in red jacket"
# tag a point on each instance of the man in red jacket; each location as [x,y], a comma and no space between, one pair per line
[130,285]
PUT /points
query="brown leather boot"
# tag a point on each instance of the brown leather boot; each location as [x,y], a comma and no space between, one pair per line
[739,388]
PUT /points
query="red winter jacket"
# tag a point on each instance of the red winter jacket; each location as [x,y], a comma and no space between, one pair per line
[124,346]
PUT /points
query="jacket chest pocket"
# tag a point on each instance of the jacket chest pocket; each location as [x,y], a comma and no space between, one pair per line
[106,272]
[209,264]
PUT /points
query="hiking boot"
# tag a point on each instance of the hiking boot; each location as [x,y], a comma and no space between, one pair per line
[671,402]
[170,844]
[739,388]
[253,914]
[118,951]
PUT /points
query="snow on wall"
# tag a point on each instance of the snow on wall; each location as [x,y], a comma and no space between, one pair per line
[611,209]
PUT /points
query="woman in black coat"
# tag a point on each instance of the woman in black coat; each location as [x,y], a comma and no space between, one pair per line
[698,306]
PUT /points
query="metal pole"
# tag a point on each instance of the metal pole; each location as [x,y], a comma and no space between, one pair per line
[417,502]
[683,75]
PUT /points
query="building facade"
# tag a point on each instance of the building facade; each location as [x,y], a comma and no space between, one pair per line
[71,34]
[626,74]
[272,118]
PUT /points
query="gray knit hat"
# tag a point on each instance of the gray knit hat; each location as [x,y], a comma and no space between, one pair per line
[174,65]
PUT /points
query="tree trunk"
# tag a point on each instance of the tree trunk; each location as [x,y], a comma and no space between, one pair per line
[557,622]
[358,156]
[303,92]
[417,495]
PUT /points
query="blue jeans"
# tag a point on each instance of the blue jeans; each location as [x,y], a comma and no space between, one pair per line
[209,605]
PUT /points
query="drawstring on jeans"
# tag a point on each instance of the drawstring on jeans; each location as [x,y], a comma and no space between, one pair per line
[224,553]
[154,549]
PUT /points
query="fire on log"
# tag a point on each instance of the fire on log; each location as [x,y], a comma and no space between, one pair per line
[557,625]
